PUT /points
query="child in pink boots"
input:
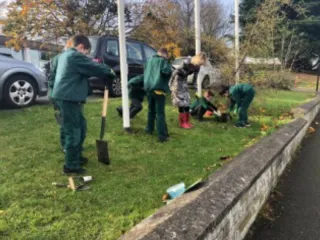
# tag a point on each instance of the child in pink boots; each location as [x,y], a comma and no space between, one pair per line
[180,90]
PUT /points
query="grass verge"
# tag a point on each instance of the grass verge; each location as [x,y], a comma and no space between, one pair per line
[125,192]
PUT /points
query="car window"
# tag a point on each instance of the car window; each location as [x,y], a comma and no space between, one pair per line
[134,51]
[112,48]
[149,52]
[178,61]
[94,43]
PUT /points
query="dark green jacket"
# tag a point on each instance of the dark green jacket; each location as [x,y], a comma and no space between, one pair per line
[72,76]
[157,73]
[238,94]
[52,73]
[204,103]
[136,90]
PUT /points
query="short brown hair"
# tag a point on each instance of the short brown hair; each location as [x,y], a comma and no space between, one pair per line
[163,52]
[209,93]
[81,39]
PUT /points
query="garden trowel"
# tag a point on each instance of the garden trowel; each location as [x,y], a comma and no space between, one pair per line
[102,145]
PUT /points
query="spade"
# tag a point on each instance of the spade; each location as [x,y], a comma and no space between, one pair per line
[102,145]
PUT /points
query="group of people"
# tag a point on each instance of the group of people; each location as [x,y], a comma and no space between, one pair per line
[69,89]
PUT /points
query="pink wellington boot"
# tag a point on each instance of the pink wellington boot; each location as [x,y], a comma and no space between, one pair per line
[183,121]
[188,120]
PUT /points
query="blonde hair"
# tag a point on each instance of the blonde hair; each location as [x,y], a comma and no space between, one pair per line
[199,59]
[69,44]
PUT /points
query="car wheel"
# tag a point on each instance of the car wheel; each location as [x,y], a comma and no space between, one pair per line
[115,87]
[19,91]
[206,82]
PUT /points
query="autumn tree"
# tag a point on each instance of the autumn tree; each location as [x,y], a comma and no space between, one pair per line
[52,19]
[160,25]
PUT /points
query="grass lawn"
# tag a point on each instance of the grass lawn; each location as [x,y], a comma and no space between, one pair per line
[305,81]
[132,187]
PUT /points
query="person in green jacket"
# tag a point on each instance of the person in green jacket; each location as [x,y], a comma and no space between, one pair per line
[157,73]
[136,95]
[241,97]
[203,104]
[71,89]
[51,78]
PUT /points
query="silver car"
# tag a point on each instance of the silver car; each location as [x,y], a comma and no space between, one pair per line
[20,82]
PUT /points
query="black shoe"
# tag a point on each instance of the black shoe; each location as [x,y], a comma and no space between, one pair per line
[240,125]
[83,161]
[148,132]
[163,139]
[73,171]
[247,124]
[119,110]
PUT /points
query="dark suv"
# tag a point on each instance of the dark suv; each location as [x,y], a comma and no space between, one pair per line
[106,50]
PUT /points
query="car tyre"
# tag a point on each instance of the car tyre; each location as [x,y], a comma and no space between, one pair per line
[206,82]
[115,87]
[19,91]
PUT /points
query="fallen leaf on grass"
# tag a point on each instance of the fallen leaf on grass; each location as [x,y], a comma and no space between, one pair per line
[213,166]
[165,197]
[311,130]
[225,158]
[264,128]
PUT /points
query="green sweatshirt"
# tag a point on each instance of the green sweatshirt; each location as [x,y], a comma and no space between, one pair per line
[136,90]
[72,76]
[157,73]
[238,94]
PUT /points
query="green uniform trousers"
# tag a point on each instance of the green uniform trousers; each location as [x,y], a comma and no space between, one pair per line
[244,106]
[156,112]
[74,128]
[58,117]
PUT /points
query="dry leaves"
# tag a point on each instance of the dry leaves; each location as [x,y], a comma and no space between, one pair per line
[311,130]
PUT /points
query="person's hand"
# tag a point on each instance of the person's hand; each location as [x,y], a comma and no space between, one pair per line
[235,111]
[217,113]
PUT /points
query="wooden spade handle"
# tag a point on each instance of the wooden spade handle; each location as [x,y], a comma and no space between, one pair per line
[105,102]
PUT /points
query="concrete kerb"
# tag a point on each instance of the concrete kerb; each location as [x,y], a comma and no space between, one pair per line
[228,203]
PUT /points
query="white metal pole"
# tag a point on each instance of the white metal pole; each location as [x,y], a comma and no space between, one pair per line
[123,66]
[198,38]
[236,41]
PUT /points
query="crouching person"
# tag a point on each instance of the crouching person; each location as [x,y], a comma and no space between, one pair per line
[203,104]
[70,91]
[136,95]
[241,97]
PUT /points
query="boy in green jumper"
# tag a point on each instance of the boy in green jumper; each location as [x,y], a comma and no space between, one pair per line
[136,95]
[203,104]
[241,97]
[157,73]
[70,91]
[51,78]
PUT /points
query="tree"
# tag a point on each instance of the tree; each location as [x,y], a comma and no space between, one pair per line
[160,24]
[53,19]
[300,21]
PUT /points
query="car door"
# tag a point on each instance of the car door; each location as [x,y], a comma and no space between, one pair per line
[111,55]
[135,59]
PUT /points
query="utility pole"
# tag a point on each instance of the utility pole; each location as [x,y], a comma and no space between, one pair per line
[123,66]
[236,40]
[198,38]
[318,78]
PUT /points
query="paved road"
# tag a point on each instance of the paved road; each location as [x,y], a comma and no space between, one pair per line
[297,211]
